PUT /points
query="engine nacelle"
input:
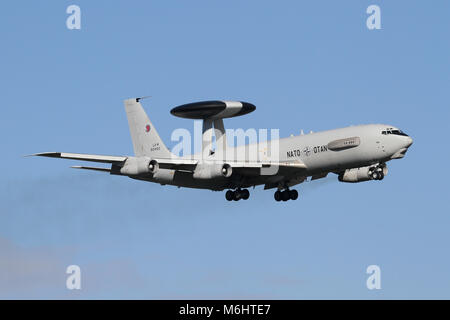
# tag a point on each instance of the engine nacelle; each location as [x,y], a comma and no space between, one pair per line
[361,174]
[153,166]
[136,166]
[212,171]
[227,170]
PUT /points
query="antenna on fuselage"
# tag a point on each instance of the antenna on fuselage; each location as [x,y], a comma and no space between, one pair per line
[145,97]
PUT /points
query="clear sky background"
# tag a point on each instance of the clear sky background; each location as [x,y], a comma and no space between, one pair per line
[309,65]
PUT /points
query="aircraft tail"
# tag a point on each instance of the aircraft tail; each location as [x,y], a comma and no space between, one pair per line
[146,140]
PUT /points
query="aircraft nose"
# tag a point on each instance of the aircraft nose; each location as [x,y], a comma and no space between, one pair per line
[409,142]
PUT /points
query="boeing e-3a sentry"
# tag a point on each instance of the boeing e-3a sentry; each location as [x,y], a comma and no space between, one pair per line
[355,154]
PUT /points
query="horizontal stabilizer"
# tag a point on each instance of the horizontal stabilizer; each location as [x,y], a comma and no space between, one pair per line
[81,156]
[92,168]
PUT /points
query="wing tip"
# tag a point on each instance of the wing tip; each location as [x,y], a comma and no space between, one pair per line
[44,154]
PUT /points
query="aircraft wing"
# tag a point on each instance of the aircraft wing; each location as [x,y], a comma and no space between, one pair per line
[176,164]
[252,168]
[82,156]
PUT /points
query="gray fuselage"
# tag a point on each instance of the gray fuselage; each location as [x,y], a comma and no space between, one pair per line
[322,152]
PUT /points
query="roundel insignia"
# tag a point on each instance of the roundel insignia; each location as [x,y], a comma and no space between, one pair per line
[307,151]
[147,128]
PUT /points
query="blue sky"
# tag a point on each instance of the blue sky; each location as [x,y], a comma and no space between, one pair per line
[309,65]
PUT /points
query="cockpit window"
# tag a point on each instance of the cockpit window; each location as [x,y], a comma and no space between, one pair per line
[399,133]
[394,131]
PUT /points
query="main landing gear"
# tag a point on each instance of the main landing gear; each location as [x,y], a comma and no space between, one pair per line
[236,195]
[285,195]
[244,194]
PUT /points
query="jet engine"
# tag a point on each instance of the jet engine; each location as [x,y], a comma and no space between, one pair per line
[212,171]
[364,174]
[136,166]
[153,166]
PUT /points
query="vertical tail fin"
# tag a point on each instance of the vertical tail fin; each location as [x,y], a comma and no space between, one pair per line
[146,140]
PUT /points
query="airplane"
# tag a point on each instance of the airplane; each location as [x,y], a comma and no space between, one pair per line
[355,154]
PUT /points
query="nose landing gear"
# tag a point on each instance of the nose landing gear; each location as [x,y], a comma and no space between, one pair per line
[285,195]
[237,195]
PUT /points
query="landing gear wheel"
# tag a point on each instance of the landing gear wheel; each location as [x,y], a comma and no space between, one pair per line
[380,176]
[293,194]
[229,195]
[237,195]
[375,175]
[277,195]
[245,194]
[285,195]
